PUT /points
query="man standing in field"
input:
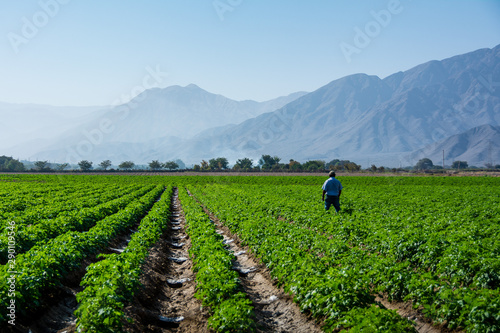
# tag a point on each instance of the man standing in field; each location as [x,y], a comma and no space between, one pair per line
[332,188]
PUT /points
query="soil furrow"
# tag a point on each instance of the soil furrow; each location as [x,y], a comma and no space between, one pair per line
[275,310]
[404,309]
[162,292]
[57,315]
[422,324]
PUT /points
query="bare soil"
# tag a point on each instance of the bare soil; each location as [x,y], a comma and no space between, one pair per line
[274,310]
[55,315]
[156,297]
[422,324]
[59,304]
[255,284]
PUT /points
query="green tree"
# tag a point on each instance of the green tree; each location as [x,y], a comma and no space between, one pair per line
[155,165]
[85,165]
[351,167]
[334,164]
[338,165]
[126,165]
[204,165]
[222,163]
[267,161]
[314,165]
[459,165]
[218,163]
[294,165]
[42,165]
[171,165]
[424,164]
[63,166]
[10,164]
[244,164]
[277,167]
[105,164]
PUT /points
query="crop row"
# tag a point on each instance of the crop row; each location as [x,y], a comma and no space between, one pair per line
[218,286]
[113,281]
[451,232]
[18,197]
[43,266]
[53,206]
[432,246]
[80,220]
[322,285]
[402,278]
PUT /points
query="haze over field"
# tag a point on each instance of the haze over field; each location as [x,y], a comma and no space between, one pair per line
[387,82]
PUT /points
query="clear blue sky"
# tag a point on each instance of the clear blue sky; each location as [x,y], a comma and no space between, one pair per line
[89,52]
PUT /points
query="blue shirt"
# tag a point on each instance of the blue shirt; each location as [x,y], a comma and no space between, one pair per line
[332,187]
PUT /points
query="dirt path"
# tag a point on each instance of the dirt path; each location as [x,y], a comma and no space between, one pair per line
[274,309]
[59,304]
[406,310]
[56,313]
[168,285]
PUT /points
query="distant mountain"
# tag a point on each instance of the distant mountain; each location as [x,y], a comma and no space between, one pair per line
[182,112]
[359,117]
[477,146]
[155,116]
[30,124]
[365,118]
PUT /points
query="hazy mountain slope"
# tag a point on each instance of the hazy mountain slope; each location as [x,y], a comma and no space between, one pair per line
[30,124]
[477,146]
[181,112]
[328,109]
[362,116]
[156,116]
[358,117]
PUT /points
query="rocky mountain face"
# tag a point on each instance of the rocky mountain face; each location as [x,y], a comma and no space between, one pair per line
[478,145]
[392,121]
[368,119]
[127,131]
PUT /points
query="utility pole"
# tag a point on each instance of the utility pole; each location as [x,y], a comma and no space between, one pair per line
[490,158]
[443,159]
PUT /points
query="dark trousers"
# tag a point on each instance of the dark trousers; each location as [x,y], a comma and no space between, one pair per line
[332,200]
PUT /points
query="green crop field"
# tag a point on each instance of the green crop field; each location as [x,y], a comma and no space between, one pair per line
[428,243]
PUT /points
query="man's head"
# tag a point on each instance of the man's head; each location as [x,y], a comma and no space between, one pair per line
[331,174]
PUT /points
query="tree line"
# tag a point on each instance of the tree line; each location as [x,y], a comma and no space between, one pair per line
[266,163]
[128,165]
[273,163]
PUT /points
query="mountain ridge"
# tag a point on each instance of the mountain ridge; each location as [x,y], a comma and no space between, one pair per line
[170,113]
[358,117]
